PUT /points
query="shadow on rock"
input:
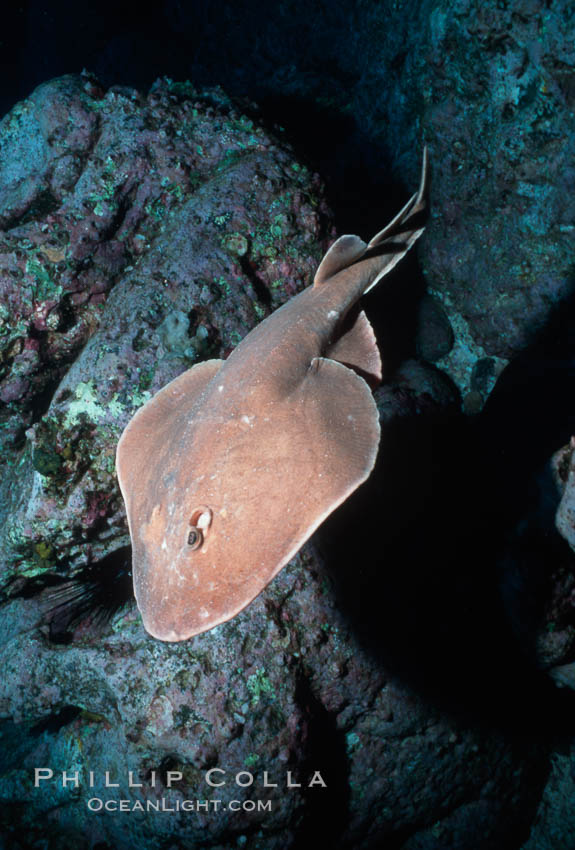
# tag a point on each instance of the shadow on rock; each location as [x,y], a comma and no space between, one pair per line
[421,555]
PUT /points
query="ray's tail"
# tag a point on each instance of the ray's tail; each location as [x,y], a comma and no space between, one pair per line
[394,241]
[388,246]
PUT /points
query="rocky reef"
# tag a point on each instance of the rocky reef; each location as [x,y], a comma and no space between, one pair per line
[489,87]
[122,244]
[129,254]
[143,232]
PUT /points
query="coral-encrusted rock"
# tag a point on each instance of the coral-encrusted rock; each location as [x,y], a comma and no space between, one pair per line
[184,225]
[490,88]
[414,389]
[556,637]
[554,824]
[563,465]
[283,687]
[499,116]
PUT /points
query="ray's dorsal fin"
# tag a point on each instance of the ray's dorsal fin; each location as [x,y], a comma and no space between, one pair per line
[157,423]
[356,347]
[344,251]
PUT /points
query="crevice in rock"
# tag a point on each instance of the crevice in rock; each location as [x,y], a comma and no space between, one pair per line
[90,599]
[114,225]
[262,293]
[54,722]
[68,318]
[326,810]
[43,204]
[333,143]
[41,402]
[28,588]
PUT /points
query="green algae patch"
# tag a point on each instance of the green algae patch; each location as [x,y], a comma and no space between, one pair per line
[260,686]
[236,244]
[44,286]
[86,404]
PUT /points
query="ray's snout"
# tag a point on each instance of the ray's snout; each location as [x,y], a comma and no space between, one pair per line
[166,603]
[170,635]
[163,622]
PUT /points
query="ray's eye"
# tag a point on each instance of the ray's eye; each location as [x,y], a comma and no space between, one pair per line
[195,538]
[200,521]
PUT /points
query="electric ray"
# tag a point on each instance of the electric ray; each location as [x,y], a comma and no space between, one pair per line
[230,468]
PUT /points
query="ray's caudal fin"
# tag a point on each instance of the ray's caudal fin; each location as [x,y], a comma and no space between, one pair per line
[231,467]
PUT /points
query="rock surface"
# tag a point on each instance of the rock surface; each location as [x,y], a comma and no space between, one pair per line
[142,234]
[180,226]
[284,686]
[563,463]
[490,88]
